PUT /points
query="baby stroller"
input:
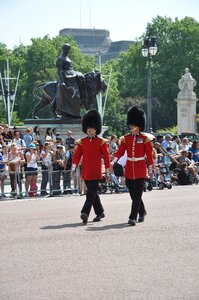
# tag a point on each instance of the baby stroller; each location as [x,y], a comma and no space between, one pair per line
[161,179]
[112,185]
[164,178]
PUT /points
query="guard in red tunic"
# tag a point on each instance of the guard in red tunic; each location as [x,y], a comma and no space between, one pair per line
[92,149]
[139,156]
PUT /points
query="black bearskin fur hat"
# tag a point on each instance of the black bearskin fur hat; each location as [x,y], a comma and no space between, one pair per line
[92,119]
[136,116]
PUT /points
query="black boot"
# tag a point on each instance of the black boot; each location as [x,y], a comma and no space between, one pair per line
[99,217]
[141,217]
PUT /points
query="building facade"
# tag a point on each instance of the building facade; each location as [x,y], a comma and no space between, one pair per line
[97,41]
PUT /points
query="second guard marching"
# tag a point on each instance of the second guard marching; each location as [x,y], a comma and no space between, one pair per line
[139,156]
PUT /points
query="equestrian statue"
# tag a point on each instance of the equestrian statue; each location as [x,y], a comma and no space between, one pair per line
[70,92]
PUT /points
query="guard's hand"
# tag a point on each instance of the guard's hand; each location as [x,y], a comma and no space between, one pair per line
[63,83]
[151,176]
[73,173]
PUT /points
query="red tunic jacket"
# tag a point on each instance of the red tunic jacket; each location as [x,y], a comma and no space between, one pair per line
[92,151]
[139,149]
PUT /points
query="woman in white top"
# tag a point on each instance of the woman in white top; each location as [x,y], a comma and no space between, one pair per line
[15,159]
[31,170]
[184,145]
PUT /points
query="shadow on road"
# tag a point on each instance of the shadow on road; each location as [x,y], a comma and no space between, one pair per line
[109,227]
[62,226]
[89,228]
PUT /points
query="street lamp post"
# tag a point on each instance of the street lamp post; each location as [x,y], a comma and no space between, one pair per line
[149,49]
[8,95]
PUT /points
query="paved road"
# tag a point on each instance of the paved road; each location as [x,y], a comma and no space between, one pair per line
[46,253]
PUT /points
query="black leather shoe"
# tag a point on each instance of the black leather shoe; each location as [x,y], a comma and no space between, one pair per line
[98,218]
[132,222]
[84,218]
[141,218]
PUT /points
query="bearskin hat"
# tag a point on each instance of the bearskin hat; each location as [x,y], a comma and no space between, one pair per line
[92,119]
[136,116]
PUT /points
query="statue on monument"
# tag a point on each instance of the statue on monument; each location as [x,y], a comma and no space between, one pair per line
[72,89]
[186,83]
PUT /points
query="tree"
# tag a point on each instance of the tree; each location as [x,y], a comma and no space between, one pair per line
[178,48]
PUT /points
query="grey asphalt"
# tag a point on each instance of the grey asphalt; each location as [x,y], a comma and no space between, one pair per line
[46,253]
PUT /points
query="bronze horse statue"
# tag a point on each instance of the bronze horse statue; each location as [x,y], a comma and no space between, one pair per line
[66,100]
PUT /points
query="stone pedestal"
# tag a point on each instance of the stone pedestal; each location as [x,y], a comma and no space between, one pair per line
[75,125]
[186,104]
[186,111]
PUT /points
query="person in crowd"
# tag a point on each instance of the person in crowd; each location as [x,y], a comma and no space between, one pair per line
[46,157]
[182,177]
[195,150]
[168,156]
[159,138]
[54,131]
[59,141]
[113,145]
[119,168]
[139,147]
[48,133]
[59,137]
[7,135]
[166,142]
[49,139]
[191,167]
[36,136]
[28,138]
[58,167]
[185,144]
[92,149]
[183,157]
[3,171]
[32,158]
[39,148]
[67,169]
[15,161]
[175,144]
[1,136]
[19,142]
[70,140]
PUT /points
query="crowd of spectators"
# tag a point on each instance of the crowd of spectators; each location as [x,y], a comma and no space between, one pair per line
[21,155]
[181,156]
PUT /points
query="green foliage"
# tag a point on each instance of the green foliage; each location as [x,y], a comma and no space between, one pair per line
[173,130]
[2,113]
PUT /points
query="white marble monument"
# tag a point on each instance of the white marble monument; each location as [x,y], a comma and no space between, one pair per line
[186,103]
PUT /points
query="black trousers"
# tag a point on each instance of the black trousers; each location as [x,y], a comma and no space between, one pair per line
[45,178]
[16,178]
[92,198]
[135,187]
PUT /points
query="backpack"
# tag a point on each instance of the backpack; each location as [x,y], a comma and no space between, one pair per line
[69,163]
[33,190]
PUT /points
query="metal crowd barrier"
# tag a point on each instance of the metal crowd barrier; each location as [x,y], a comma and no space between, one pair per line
[49,183]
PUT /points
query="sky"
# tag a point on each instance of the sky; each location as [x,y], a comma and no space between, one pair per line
[21,20]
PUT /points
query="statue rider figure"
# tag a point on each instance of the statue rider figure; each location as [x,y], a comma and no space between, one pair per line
[65,66]
[69,82]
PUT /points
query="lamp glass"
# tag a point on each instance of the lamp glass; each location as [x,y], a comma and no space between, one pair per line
[145,52]
[153,50]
